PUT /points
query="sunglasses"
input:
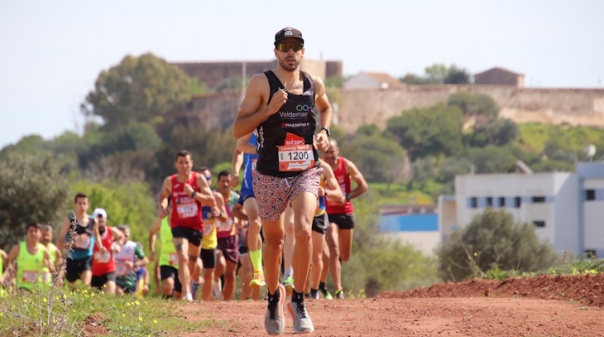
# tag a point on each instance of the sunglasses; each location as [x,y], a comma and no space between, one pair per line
[284,47]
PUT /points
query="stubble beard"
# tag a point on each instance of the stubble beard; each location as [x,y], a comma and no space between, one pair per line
[287,67]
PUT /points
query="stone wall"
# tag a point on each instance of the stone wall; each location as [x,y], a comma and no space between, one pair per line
[551,106]
[364,106]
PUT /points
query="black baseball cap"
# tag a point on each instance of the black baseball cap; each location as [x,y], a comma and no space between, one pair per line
[288,32]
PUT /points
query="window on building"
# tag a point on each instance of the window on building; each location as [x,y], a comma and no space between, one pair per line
[538,199]
[539,223]
[489,202]
[473,202]
[590,195]
[501,201]
[517,202]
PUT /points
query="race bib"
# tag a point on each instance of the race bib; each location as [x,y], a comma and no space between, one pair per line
[173,259]
[225,226]
[30,276]
[295,157]
[208,227]
[102,257]
[81,241]
[187,210]
[120,268]
[46,277]
[254,161]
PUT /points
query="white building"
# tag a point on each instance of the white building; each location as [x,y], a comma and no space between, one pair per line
[369,80]
[566,208]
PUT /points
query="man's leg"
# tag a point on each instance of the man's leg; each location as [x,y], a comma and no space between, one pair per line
[193,259]
[304,206]
[182,249]
[273,237]
[230,277]
[331,238]
[288,250]
[254,242]
[317,261]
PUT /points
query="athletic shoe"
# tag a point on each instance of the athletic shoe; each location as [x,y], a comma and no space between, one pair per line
[188,297]
[274,322]
[288,283]
[302,322]
[217,290]
[314,294]
[258,280]
[340,294]
[326,294]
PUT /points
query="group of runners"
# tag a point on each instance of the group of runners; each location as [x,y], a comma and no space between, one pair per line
[98,255]
[291,224]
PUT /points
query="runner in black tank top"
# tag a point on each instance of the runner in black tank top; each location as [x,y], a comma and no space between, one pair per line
[284,106]
[295,117]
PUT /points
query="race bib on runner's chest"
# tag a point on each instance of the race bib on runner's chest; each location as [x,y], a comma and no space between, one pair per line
[173,259]
[225,226]
[188,210]
[29,276]
[102,257]
[208,227]
[81,241]
[120,268]
[295,157]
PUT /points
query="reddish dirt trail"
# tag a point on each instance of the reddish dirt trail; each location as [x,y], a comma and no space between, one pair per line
[531,307]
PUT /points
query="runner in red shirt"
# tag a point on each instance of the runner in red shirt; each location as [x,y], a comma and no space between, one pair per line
[103,263]
[341,216]
[188,190]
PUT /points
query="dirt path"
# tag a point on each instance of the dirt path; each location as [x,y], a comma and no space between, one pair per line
[535,307]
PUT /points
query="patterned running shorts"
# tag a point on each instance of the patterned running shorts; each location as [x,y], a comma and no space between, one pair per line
[274,193]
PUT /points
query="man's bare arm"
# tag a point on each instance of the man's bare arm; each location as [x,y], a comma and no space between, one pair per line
[251,112]
[357,177]
[162,198]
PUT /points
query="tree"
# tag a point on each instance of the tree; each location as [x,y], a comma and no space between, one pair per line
[431,131]
[139,89]
[439,74]
[493,240]
[32,191]
[378,158]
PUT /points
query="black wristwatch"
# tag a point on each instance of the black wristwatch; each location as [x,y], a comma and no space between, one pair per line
[193,194]
[326,131]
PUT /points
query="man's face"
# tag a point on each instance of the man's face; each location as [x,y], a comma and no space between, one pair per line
[331,154]
[126,233]
[224,183]
[183,164]
[33,234]
[46,236]
[287,56]
[81,205]
[101,221]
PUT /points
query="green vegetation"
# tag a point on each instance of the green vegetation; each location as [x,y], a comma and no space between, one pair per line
[61,312]
[380,263]
[493,241]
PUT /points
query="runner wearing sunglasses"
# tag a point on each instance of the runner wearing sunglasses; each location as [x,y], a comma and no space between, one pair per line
[284,106]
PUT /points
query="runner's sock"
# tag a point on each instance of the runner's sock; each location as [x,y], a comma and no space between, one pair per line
[322,286]
[297,297]
[256,257]
[289,272]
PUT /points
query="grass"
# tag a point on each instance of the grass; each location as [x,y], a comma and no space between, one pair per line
[583,266]
[58,311]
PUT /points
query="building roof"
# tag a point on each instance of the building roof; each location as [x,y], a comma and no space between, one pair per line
[385,78]
[500,69]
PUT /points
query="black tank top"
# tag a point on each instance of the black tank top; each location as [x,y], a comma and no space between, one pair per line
[285,139]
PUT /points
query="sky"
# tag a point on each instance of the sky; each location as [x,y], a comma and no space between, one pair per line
[51,52]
